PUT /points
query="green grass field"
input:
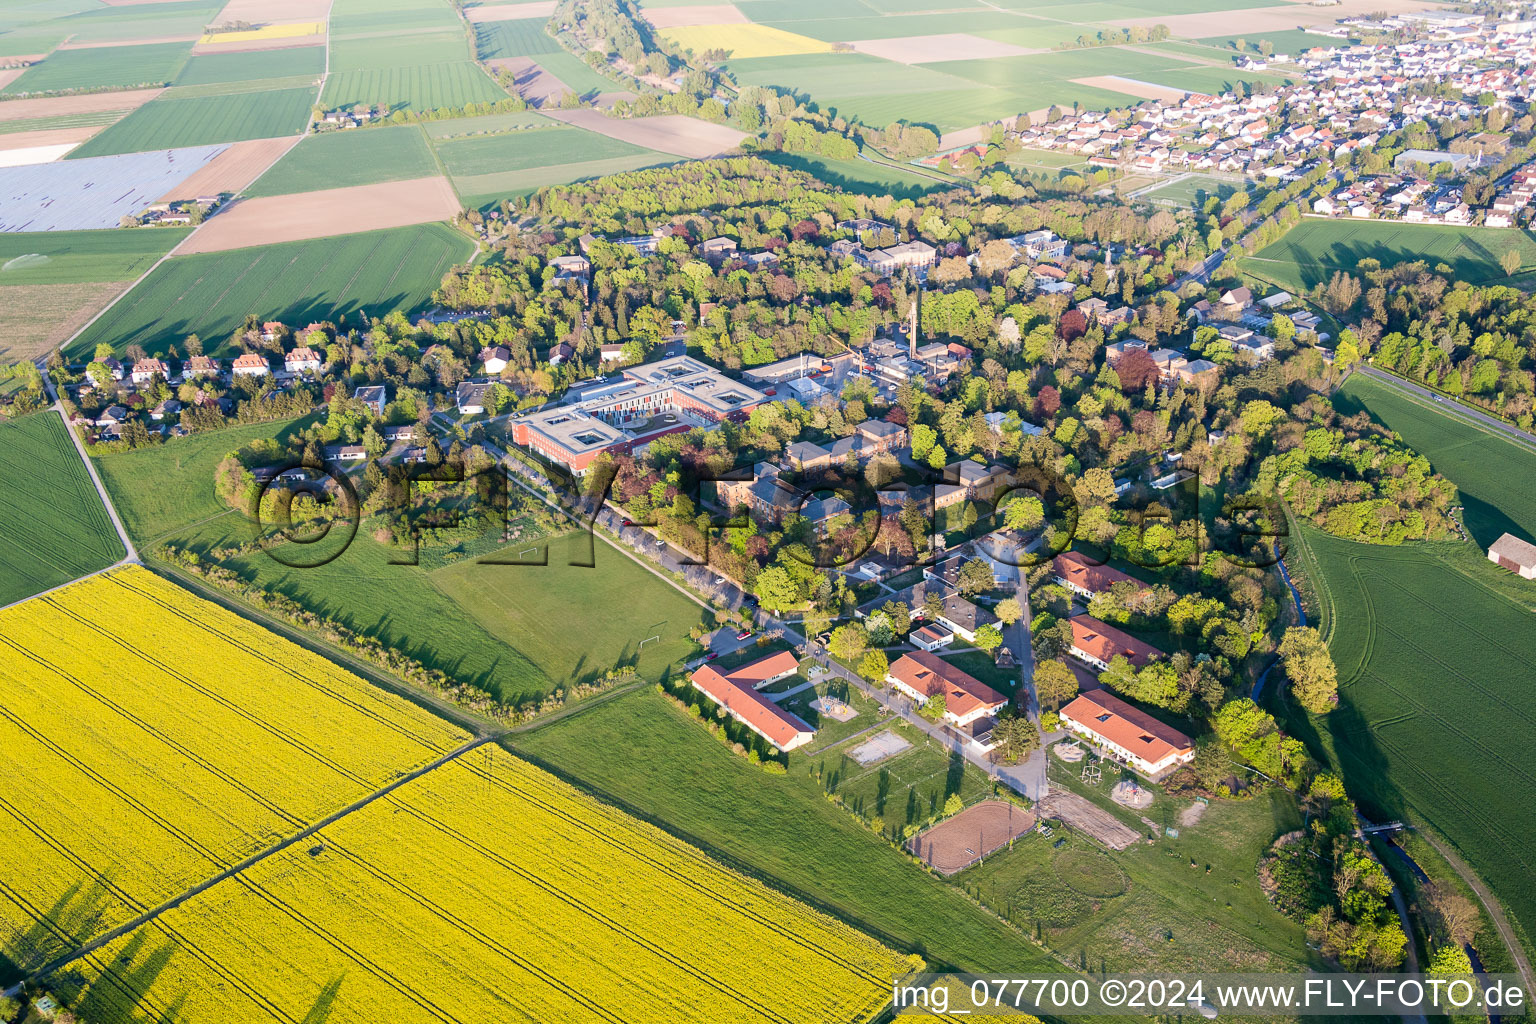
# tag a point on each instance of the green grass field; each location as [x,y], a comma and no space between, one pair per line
[1192,190]
[1315,248]
[1497,478]
[210,294]
[53,527]
[203,120]
[340,159]
[34,124]
[1433,648]
[94,23]
[575,73]
[521,38]
[214,69]
[77,257]
[104,68]
[858,175]
[486,168]
[487,124]
[780,828]
[375,53]
[1146,909]
[417,87]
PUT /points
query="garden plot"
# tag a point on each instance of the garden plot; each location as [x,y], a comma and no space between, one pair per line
[96,192]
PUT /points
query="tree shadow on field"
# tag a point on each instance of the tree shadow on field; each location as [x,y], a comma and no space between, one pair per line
[325,1001]
[956,774]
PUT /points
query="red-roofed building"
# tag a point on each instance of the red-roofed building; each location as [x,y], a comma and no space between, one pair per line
[302,360]
[145,370]
[1081,576]
[250,365]
[1099,643]
[736,692]
[1148,746]
[922,676]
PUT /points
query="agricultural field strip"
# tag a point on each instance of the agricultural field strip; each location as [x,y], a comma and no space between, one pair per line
[93,519]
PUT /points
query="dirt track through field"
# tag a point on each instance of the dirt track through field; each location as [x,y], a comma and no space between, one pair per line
[233,169]
[337,211]
[670,133]
[95,103]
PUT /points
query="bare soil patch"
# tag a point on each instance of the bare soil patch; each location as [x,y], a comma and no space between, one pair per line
[336,211]
[233,169]
[1092,821]
[1279,18]
[532,82]
[46,137]
[1132,87]
[1131,794]
[670,133]
[887,744]
[53,106]
[510,12]
[1192,814]
[933,48]
[972,834]
[263,12]
[37,318]
[703,14]
[9,75]
[33,154]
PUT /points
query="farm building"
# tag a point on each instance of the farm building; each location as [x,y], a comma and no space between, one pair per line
[1514,554]
[1098,644]
[1129,734]
[736,692]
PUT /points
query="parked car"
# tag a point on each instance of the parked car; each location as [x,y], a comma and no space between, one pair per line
[743,634]
[712,655]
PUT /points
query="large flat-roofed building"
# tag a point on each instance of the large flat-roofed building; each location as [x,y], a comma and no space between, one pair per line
[736,692]
[1152,749]
[643,404]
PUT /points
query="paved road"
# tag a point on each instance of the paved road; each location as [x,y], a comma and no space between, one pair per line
[1450,406]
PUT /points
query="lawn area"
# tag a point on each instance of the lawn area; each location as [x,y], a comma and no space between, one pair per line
[575,623]
[979,663]
[216,68]
[859,176]
[1192,190]
[1146,909]
[777,827]
[108,67]
[1436,707]
[364,156]
[907,789]
[203,120]
[166,489]
[1315,248]
[1496,477]
[77,257]
[371,273]
[53,527]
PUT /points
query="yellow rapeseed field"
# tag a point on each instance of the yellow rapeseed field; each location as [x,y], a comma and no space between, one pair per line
[489,890]
[745,41]
[254,35]
[149,739]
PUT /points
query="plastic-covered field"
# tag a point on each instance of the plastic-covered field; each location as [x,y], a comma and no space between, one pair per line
[95,192]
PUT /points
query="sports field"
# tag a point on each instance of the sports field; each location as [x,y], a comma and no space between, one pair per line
[113,67]
[1315,248]
[203,120]
[1192,190]
[53,527]
[123,782]
[341,159]
[368,274]
[491,887]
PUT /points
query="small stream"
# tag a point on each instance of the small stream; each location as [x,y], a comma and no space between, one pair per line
[1418,872]
[1301,615]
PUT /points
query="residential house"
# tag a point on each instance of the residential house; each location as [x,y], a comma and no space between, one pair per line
[250,365]
[736,692]
[372,396]
[494,359]
[971,481]
[718,249]
[145,371]
[610,353]
[1128,734]
[1085,578]
[923,675]
[114,372]
[561,353]
[302,360]
[932,637]
[345,453]
[200,366]
[470,397]
[964,618]
[169,407]
[1098,643]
